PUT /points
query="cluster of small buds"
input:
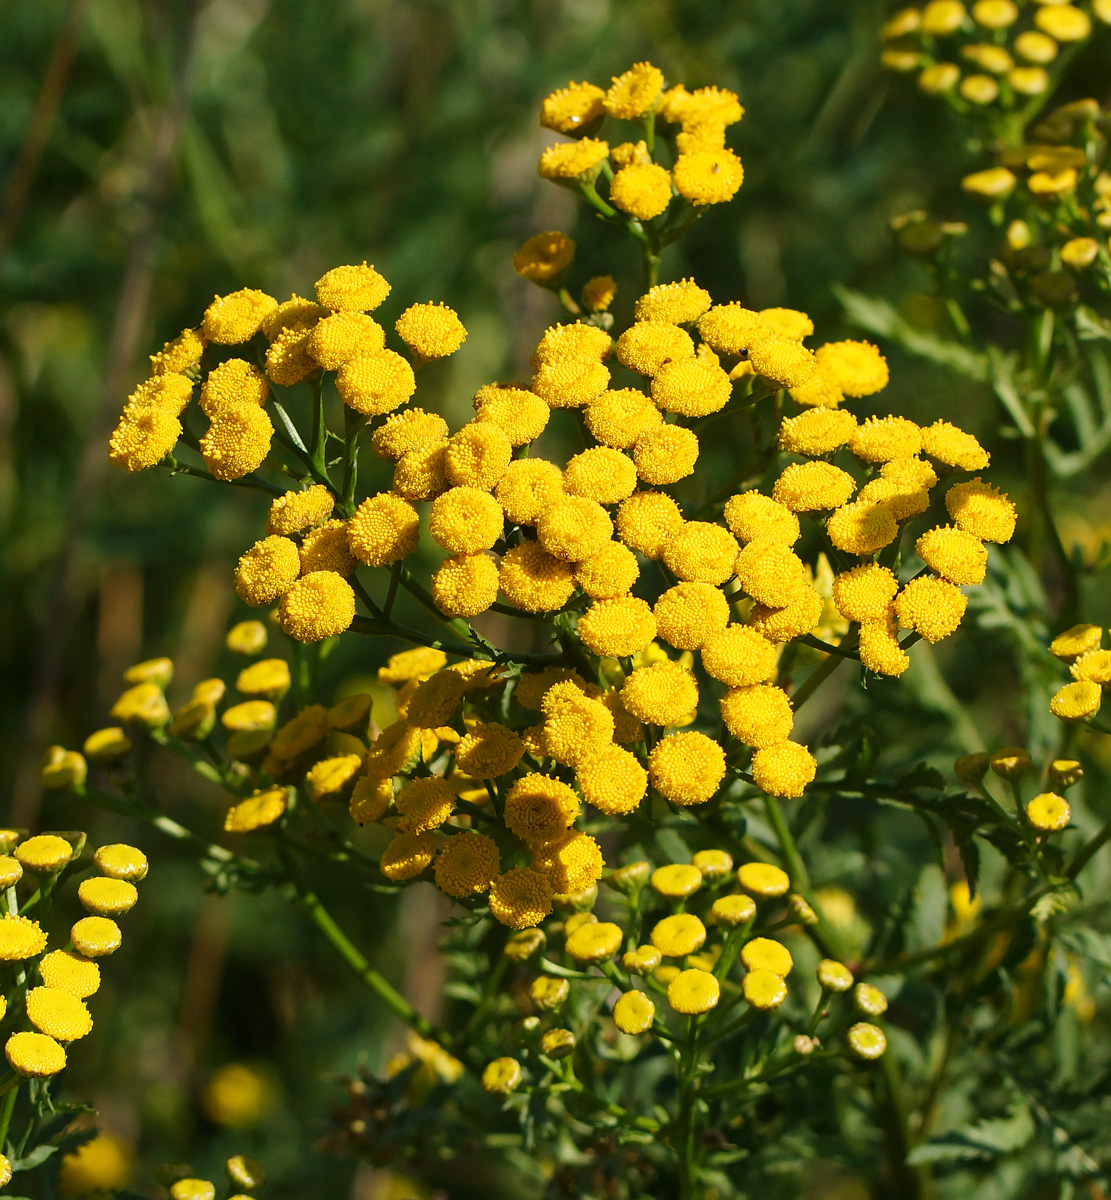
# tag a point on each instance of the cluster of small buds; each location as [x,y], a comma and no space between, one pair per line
[1090,667]
[1047,812]
[1007,49]
[707,947]
[55,1008]
[703,169]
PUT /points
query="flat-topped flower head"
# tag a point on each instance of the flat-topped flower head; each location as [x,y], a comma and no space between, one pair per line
[573,864]
[611,779]
[20,938]
[678,303]
[647,522]
[260,811]
[879,647]
[763,989]
[237,442]
[862,527]
[1076,641]
[661,694]
[95,937]
[431,330]
[521,898]
[573,528]
[868,999]
[866,1041]
[766,954]
[317,606]
[237,317]
[758,715]
[784,361]
[643,190]
[384,529]
[351,289]
[44,853]
[609,573]
[594,942]
[981,509]
[648,346]
[855,368]
[571,160]
[634,1013]
[960,557]
[693,992]
[932,607]
[865,593]
[107,897]
[70,972]
[834,976]
[502,1076]
[617,628]
[679,935]
[763,879]
[708,176]
[634,93]
[407,856]
[945,443]
[570,109]
[467,865]
[375,382]
[540,808]
[534,580]
[817,431]
[687,767]
[34,1055]
[58,1013]
[813,486]
[520,414]
[1048,812]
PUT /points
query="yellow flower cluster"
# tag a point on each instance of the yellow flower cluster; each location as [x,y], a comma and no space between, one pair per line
[1090,666]
[55,1008]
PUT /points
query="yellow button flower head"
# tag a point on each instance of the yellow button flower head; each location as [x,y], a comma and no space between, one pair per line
[783,769]
[634,1013]
[800,617]
[44,853]
[739,656]
[862,527]
[732,329]
[232,385]
[708,176]
[179,354]
[764,954]
[259,811]
[269,677]
[617,628]
[641,961]
[763,879]
[866,1041]
[687,768]
[62,769]
[317,606]
[539,808]
[647,521]
[502,1076]
[143,704]
[635,93]
[575,725]
[881,439]
[69,972]
[641,189]
[375,383]
[339,338]
[869,999]
[758,715]
[1048,812]
[1035,47]
[237,317]
[731,912]
[810,486]
[431,330]
[528,487]
[955,555]
[1029,81]
[979,89]
[20,938]
[701,552]
[249,716]
[690,614]
[331,777]
[146,433]
[545,257]
[981,509]
[425,804]
[569,109]
[1064,22]
[618,418]
[834,976]
[574,341]
[351,289]
[464,520]
[992,183]
[407,856]
[820,391]
[595,942]
[678,935]
[952,446]
[548,993]
[412,429]
[520,414]
[676,880]
[236,443]
[598,293]
[941,77]
[569,160]
[107,746]
[488,750]
[992,58]
[602,474]
[932,607]
[674,303]
[648,346]
[1094,665]
[384,529]
[704,105]
[995,14]
[295,314]
[296,511]
[770,572]
[782,360]
[865,593]
[611,779]
[609,573]
[570,382]
[857,368]
[1076,701]
[326,549]
[535,581]
[715,865]
[693,992]
[899,499]
[817,431]
[763,989]
[34,1055]
[370,798]
[152,670]
[573,528]
[11,871]
[521,898]
[662,694]
[107,897]
[1077,253]
[435,700]
[58,1013]
[466,585]
[904,22]
[247,637]
[879,647]
[691,387]
[753,515]
[94,937]
[572,863]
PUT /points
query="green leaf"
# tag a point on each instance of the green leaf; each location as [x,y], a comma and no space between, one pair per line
[931,903]
[1088,943]
[35,1159]
[986,1139]
[881,318]
[1090,326]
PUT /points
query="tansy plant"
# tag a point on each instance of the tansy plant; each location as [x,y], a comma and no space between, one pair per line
[589,746]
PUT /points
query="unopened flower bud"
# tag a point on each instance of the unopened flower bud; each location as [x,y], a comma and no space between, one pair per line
[557,1043]
[502,1076]
[244,1172]
[800,910]
[971,768]
[63,770]
[630,878]
[1064,772]
[1010,763]
[523,945]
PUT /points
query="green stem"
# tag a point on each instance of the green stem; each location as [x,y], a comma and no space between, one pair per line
[351,955]
[815,679]
[493,982]
[353,424]
[6,1114]
[176,467]
[796,868]
[319,428]
[1085,853]
[685,1117]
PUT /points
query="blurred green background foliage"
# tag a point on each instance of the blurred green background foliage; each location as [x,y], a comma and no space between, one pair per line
[156,152]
